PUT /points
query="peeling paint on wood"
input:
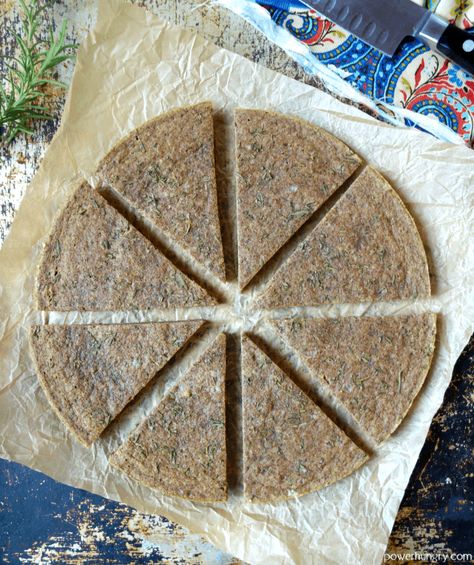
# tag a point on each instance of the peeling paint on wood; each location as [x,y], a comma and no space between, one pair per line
[42,521]
[437,511]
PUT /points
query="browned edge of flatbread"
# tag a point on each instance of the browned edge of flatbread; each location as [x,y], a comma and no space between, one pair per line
[209,252]
[425,280]
[131,457]
[86,435]
[252,356]
[321,164]
[318,270]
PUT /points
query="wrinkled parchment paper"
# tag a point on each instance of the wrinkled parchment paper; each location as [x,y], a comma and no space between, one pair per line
[132,67]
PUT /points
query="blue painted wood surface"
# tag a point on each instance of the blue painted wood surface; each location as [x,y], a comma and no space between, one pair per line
[437,511]
[43,521]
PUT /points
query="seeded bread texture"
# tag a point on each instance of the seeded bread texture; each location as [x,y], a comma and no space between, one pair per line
[367,248]
[95,260]
[290,446]
[180,448]
[165,169]
[91,372]
[286,169]
[374,366]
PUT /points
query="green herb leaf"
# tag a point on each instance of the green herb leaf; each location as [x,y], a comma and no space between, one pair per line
[22,86]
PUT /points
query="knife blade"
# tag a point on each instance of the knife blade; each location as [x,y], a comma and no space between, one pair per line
[384,24]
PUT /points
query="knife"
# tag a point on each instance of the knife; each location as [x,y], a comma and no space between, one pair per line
[384,24]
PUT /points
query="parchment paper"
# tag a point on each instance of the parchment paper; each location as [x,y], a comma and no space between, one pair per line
[132,67]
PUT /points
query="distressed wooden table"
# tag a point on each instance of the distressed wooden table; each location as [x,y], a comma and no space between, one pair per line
[42,521]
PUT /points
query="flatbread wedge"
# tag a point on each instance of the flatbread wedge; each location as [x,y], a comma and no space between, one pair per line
[91,372]
[286,169]
[165,170]
[367,248]
[95,260]
[291,447]
[180,448]
[375,366]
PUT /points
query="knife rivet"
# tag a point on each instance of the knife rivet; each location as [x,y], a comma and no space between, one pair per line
[468,45]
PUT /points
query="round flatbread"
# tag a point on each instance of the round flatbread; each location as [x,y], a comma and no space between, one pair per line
[365,249]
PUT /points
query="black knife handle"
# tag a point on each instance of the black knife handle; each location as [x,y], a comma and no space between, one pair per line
[458,45]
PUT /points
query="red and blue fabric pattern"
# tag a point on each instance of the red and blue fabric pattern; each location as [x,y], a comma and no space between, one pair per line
[416,80]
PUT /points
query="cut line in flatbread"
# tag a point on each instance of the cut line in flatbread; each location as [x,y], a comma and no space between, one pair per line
[286,169]
[91,372]
[180,448]
[95,260]
[374,366]
[367,248]
[291,447]
[165,169]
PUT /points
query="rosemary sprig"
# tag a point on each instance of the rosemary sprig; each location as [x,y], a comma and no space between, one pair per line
[22,88]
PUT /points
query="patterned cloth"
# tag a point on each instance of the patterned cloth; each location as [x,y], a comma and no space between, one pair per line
[416,82]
